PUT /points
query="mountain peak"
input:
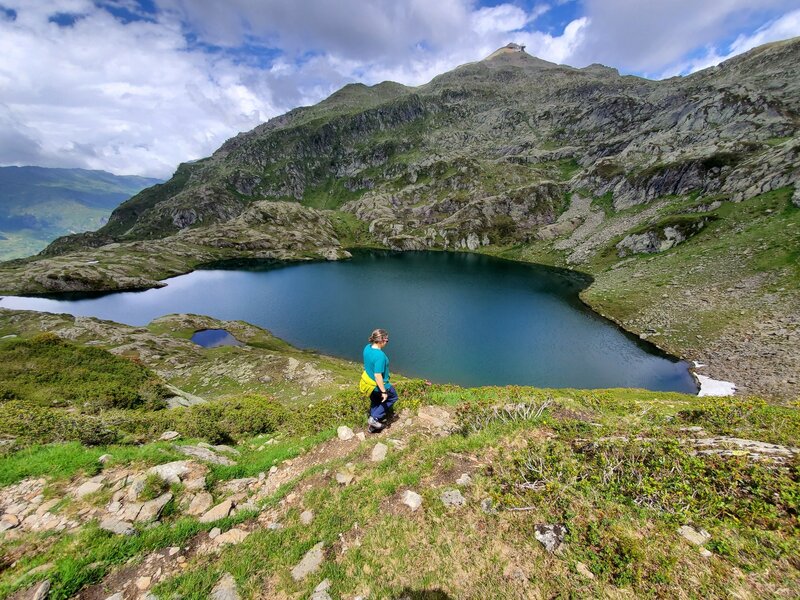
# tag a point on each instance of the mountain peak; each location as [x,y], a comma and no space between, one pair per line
[511,48]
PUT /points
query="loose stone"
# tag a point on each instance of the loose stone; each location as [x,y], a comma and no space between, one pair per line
[696,537]
[142,583]
[310,563]
[379,452]
[220,511]
[171,472]
[225,589]
[344,433]
[200,504]
[306,517]
[90,487]
[464,480]
[117,526]
[151,510]
[583,570]
[453,499]
[411,499]
[550,536]
[214,533]
[169,436]
[321,591]
[232,536]
[42,591]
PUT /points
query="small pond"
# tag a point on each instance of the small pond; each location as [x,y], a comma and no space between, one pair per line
[452,317]
[214,338]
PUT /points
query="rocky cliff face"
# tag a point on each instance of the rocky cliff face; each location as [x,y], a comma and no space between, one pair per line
[504,138]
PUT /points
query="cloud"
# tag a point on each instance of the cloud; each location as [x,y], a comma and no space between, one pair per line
[785,27]
[128,98]
[652,38]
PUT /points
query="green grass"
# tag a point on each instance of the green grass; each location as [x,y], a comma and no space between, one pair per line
[63,461]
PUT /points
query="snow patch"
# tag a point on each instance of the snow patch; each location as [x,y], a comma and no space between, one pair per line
[714,387]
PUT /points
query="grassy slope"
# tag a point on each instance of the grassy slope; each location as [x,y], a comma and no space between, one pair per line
[612,496]
[606,463]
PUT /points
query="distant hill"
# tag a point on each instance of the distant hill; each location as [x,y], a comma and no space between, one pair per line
[38,204]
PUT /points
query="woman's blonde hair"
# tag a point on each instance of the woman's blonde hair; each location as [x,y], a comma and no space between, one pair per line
[378,336]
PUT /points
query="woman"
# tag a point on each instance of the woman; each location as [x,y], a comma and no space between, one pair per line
[376,366]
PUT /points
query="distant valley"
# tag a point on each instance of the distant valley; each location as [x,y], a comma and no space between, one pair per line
[39,204]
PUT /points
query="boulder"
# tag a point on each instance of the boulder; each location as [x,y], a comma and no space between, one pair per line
[220,511]
[171,472]
[200,504]
[310,563]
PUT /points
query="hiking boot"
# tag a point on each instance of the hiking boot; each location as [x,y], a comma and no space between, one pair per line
[373,425]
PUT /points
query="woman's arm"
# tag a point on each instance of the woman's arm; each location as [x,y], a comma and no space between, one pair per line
[379,381]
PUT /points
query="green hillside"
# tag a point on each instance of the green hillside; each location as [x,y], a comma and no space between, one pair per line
[269,486]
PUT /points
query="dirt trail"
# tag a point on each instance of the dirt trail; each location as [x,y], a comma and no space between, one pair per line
[134,580]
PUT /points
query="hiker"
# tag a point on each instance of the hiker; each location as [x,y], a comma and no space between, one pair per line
[376,375]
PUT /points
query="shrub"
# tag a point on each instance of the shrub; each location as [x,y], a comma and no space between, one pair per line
[38,424]
[49,371]
[746,417]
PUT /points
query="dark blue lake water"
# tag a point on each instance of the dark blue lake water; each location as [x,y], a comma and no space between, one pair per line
[452,317]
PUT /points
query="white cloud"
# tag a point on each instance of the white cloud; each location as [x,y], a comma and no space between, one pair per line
[656,37]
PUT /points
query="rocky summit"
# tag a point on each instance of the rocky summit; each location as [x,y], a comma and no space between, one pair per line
[680,197]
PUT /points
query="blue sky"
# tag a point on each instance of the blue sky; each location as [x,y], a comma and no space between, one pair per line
[137,86]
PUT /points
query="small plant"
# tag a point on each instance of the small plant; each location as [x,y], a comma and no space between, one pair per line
[472,417]
[154,486]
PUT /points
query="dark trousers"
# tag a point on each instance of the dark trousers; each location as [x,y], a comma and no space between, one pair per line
[378,410]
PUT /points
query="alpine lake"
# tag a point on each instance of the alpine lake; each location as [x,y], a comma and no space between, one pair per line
[460,318]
